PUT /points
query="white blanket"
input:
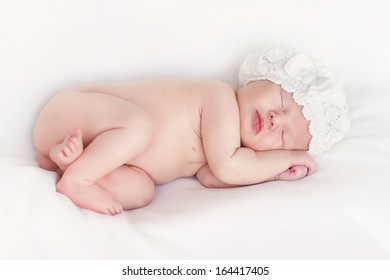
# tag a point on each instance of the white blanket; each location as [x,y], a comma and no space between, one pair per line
[340,212]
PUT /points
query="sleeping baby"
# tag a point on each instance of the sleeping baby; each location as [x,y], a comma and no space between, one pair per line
[112,143]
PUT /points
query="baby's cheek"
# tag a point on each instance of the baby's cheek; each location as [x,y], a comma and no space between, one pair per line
[263,144]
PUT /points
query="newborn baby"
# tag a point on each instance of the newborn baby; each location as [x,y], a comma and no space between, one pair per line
[112,143]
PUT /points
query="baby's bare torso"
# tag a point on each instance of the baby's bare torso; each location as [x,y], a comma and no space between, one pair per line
[174,107]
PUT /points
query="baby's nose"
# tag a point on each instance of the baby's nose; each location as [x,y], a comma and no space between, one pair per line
[275,119]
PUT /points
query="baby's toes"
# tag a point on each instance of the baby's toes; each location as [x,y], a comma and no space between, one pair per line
[114,209]
[118,208]
[72,146]
[66,151]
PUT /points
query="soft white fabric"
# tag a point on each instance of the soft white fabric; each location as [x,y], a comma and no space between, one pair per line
[342,211]
[312,85]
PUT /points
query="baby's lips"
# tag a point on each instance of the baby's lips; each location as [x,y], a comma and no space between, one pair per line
[259,122]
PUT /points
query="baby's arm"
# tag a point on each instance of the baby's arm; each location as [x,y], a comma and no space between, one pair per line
[208,179]
[227,160]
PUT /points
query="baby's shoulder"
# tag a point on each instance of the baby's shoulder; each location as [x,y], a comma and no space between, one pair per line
[211,84]
[212,89]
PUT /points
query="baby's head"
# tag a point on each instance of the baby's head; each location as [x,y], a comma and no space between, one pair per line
[312,85]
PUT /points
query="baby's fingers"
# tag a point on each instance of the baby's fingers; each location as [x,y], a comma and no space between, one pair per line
[298,172]
[295,172]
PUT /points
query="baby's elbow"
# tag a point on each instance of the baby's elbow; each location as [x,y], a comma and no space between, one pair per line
[206,183]
[228,179]
[211,182]
[203,179]
[207,178]
[226,174]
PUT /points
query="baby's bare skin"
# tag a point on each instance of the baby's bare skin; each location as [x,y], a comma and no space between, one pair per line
[114,142]
[175,147]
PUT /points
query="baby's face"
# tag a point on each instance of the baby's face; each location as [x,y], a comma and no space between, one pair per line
[270,119]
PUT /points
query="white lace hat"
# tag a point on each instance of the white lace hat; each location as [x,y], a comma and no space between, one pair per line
[312,85]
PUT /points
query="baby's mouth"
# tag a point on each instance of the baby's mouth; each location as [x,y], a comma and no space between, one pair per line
[258,123]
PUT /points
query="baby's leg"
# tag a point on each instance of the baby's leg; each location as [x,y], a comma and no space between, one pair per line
[105,153]
[108,151]
[130,186]
[68,151]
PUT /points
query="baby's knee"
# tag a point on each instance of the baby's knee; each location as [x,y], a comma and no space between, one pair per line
[144,197]
[143,190]
[144,194]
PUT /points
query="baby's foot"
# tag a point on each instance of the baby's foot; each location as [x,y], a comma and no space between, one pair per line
[89,196]
[69,150]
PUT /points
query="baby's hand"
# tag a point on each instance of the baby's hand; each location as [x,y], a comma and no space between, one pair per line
[303,158]
[293,173]
[302,164]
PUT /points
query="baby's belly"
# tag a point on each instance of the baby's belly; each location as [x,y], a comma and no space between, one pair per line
[164,165]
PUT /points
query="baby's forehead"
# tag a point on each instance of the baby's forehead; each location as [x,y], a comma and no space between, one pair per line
[268,84]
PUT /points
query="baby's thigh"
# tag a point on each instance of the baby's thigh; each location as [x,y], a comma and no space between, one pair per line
[129,185]
[94,113]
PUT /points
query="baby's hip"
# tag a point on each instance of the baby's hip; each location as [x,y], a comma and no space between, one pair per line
[93,113]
